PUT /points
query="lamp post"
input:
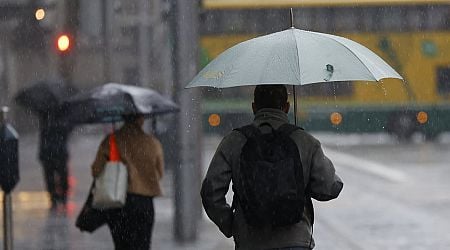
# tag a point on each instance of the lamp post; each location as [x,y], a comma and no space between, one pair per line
[187,171]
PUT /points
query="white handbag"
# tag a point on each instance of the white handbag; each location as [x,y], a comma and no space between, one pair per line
[110,190]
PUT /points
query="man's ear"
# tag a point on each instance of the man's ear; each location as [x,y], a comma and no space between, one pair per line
[254,108]
[286,107]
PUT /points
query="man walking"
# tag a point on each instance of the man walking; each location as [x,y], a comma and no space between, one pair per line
[54,155]
[266,186]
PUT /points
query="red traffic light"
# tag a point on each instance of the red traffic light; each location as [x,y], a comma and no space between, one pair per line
[64,43]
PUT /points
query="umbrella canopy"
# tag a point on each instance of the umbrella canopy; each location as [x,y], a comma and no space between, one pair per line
[111,101]
[294,57]
[45,96]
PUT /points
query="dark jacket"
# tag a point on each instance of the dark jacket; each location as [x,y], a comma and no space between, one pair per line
[54,137]
[318,171]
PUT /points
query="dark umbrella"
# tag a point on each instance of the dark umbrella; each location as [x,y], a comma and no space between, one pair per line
[45,96]
[111,101]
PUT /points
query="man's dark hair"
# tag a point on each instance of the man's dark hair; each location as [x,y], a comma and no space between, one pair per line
[270,96]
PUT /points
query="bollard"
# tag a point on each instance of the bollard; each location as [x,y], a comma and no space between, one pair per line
[9,174]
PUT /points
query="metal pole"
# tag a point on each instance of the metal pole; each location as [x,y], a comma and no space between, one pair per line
[187,173]
[7,203]
[7,222]
[291,12]
[106,32]
[144,43]
[4,74]
[67,62]
[161,48]
[295,104]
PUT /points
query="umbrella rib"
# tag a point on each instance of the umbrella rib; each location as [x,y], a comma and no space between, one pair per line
[266,65]
[299,79]
[298,57]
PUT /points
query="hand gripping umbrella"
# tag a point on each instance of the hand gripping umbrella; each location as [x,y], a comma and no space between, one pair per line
[293,57]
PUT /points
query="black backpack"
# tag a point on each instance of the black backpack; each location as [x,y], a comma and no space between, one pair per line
[270,188]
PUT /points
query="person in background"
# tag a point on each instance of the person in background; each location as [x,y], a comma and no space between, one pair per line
[54,156]
[131,226]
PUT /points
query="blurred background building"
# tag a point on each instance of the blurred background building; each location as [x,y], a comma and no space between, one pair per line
[412,36]
[84,42]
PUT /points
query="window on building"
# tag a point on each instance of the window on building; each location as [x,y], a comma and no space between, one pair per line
[443,80]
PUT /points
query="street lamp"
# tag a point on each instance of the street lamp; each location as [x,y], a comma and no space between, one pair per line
[39,14]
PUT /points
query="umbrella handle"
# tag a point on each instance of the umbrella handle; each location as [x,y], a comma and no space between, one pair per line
[113,150]
[295,105]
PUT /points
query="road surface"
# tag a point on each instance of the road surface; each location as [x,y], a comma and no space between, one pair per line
[395,197]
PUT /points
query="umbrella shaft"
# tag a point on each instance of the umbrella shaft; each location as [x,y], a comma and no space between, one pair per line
[295,105]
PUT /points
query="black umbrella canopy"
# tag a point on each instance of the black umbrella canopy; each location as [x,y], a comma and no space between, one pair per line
[111,101]
[45,96]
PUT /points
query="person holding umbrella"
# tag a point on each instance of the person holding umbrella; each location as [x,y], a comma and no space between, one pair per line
[290,57]
[131,226]
[316,179]
[47,100]
[54,155]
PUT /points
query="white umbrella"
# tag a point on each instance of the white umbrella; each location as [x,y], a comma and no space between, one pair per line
[293,57]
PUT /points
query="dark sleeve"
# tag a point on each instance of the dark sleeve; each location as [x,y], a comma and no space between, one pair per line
[325,184]
[214,188]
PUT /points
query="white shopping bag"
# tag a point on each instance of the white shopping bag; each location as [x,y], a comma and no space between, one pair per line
[110,189]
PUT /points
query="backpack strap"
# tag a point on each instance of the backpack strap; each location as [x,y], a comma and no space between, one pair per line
[251,130]
[287,128]
[248,131]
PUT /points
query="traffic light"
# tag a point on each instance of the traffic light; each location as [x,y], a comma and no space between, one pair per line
[64,43]
[64,48]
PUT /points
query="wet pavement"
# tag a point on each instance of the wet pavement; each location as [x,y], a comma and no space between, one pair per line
[37,227]
[395,197]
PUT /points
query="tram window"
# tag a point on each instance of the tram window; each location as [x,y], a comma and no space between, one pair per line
[327,19]
[443,75]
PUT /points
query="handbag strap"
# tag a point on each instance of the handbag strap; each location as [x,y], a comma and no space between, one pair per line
[113,150]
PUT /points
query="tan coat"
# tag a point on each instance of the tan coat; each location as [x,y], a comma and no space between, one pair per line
[143,156]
